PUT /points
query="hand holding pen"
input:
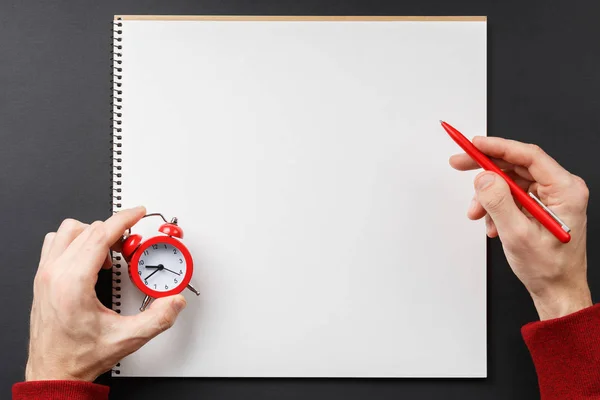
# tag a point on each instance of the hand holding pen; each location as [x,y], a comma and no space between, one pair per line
[554,273]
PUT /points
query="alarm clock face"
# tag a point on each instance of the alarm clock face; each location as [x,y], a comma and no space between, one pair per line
[162,267]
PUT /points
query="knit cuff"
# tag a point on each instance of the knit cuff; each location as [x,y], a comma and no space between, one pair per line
[566,354]
[59,390]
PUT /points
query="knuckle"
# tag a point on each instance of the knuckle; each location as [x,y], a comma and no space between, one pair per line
[582,188]
[494,202]
[577,178]
[98,231]
[585,193]
[69,225]
[43,277]
[536,150]
[165,322]
[96,223]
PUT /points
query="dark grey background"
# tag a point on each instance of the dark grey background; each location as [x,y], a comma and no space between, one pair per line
[544,76]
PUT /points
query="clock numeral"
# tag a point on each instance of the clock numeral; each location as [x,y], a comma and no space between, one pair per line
[175,280]
[166,286]
[180,261]
[174,251]
[155,286]
[180,272]
[146,282]
[141,262]
[140,273]
[146,252]
[165,246]
[155,246]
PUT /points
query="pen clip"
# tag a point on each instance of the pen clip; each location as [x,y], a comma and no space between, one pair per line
[554,216]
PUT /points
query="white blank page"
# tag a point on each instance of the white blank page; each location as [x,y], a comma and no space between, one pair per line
[308,169]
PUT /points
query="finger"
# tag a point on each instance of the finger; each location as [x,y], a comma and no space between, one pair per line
[543,168]
[519,180]
[92,246]
[476,210]
[161,315]
[118,247]
[494,195]
[490,227]
[523,173]
[68,231]
[107,262]
[533,188]
[46,246]
[527,186]
[120,222]
[463,162]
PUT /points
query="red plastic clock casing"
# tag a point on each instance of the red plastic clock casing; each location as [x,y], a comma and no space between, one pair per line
[130,245]
[137,281]
[171,229]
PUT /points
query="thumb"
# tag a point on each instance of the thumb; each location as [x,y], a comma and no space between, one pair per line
[494,195]
[159,317]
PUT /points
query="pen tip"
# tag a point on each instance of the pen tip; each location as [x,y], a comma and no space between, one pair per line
[441,121]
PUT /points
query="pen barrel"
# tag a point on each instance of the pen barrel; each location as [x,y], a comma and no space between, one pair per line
[527,202]
[536,210]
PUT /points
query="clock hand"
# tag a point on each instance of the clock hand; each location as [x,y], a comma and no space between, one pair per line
[159,268]
[167,269]
[146,278]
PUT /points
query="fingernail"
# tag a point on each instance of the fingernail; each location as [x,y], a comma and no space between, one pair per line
[484,181]
[179,305]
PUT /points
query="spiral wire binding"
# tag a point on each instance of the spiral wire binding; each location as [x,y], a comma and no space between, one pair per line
[116,158]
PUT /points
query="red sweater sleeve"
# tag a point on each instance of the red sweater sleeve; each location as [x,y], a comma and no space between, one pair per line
[566,354]
[59,390]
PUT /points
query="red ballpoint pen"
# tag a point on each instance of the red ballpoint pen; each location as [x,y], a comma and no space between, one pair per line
[531,203]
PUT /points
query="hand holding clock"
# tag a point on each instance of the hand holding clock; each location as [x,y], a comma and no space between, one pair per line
[73,336]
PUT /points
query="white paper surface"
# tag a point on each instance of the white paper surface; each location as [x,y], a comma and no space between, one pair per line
[309,172]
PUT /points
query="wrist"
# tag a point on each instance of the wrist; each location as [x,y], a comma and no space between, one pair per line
[52,374]
[560,303]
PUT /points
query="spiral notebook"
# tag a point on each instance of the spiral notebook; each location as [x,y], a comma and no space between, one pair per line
[305,162]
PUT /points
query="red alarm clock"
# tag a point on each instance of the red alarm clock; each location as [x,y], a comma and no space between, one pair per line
[160,266]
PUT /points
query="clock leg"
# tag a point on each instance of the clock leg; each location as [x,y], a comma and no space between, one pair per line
[145,303]
[192,289]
